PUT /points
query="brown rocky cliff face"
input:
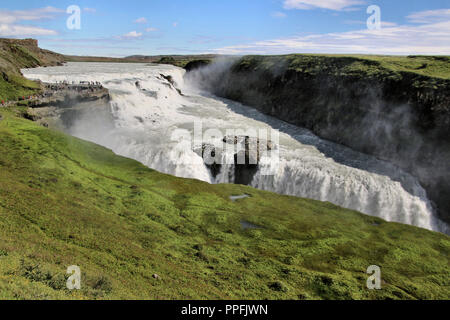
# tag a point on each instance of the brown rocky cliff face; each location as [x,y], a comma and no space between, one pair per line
[25,53]
[24,42]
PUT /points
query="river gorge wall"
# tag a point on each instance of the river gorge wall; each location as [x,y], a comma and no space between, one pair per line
[402,117]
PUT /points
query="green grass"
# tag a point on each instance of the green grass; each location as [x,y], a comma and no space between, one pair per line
[64,201]
[17,86]
[17,54]
[371,65]
[430,66]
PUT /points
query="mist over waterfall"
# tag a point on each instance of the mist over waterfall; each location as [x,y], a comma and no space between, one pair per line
[150,104]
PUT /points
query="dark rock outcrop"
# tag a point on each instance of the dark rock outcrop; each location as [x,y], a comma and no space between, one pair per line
[247,154]
[61,105]
[210,155]
[172,83]
[196,64]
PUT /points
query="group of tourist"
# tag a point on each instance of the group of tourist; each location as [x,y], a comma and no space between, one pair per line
[73,86]
[52,88]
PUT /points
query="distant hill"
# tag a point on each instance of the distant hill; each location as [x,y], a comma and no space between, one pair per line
[176,60]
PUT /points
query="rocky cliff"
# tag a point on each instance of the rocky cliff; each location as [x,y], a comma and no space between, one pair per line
[396,108]
[60,104]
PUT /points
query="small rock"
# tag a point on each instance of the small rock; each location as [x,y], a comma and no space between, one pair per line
[278,286]
[155,276]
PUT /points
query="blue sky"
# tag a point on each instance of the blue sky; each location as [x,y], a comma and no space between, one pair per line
[121,28]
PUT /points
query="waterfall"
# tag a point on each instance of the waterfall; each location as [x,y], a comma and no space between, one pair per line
[151,102]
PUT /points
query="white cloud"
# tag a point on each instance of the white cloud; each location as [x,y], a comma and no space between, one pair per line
[151,29]
[431,38]
[279,14]
[141,20]
[7,16]
[9,20]
[387,24]
[384,24]
[13,30]
[132,35]
[337,5]
[175,24]
[90,10]
[430,16]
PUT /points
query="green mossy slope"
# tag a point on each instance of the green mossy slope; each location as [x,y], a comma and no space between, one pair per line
[67,202]
[18,54]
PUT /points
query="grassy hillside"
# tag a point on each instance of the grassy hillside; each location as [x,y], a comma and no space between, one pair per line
[67,202]
[18,54]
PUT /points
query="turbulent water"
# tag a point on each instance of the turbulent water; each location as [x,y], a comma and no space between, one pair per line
[144,117]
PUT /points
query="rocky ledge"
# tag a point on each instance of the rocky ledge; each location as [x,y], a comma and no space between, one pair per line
[59,103]
[245,154]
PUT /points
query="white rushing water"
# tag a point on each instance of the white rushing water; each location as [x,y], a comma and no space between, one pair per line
[142,119]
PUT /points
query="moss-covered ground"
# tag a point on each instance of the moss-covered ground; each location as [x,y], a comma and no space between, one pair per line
[64,201]
[346,65]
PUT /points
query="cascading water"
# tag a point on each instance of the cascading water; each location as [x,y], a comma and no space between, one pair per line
[146,109]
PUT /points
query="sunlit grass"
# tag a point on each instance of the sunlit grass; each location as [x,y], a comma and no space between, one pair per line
[64,201]
[372,65]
